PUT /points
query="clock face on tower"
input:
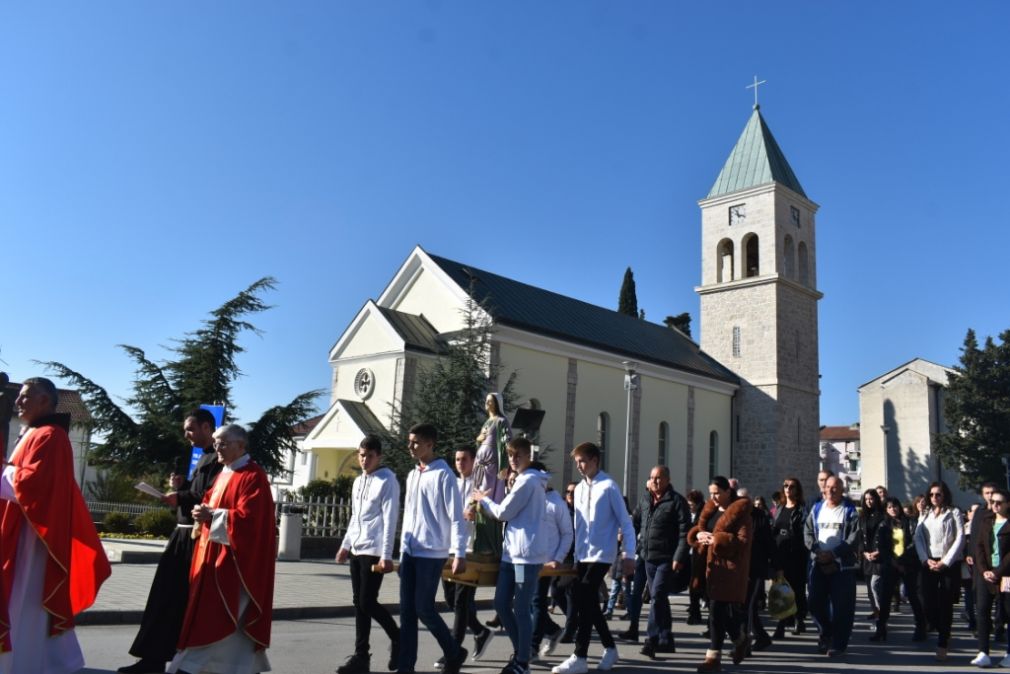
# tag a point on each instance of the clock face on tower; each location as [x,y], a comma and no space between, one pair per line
[737,214]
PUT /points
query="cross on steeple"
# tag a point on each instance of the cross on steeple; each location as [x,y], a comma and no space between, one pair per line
[755,88]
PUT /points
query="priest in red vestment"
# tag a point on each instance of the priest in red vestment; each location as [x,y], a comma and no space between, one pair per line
[227,623]
[51,561]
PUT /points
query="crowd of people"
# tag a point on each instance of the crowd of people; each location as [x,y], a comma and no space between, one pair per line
[581,551]
[209,607]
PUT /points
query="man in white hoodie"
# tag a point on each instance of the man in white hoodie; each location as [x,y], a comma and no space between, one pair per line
[599,514]
[375,507]
[432,531]
[523,553]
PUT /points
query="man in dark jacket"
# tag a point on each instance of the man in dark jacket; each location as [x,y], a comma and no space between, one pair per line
[663,520]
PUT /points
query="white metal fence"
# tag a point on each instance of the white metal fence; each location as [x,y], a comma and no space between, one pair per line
[320,519]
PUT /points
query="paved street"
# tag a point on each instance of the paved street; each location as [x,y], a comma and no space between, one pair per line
[318,645]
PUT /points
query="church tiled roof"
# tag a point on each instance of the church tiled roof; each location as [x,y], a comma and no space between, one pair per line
[417,333]
[547,313]
[755,160]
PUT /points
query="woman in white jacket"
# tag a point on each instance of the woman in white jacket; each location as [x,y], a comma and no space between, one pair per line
[939,539]
[523,553]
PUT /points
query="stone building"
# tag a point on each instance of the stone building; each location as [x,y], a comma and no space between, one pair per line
[900,413]
[759,307]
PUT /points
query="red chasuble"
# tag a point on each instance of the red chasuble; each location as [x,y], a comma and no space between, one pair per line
[49,500]
[220,571]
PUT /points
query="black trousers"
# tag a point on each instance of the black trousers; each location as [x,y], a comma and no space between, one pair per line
[985,596]
[460,599]
[166,603]
[724,617]
[795,572]
[542,621]
[588,613]
[939,592]
[365,592]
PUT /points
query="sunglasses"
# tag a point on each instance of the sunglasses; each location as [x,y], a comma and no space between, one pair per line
[934,494]
[998,503]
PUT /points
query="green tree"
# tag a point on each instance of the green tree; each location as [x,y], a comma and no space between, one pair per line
[145,433]
[627,303]
[977,411]
[681,322]
[450,392]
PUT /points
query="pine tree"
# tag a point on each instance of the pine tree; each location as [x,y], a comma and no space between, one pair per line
[627,303]
[148,432]
[681,322]
[977,411]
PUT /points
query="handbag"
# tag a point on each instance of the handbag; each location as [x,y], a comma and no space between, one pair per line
[781,599]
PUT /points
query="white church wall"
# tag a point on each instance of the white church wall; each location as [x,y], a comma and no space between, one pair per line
[663,401]
[542,376]
[712,412]
[373,335]
[383,373]
[429,297]
[601,389]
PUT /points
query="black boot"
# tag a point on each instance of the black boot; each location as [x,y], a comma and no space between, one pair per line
[799,627]
[880,634]
[356,664]
[780,631]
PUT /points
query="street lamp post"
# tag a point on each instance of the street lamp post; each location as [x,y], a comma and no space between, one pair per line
[630,385]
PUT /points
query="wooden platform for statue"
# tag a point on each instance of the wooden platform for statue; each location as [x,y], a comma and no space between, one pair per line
[482,571]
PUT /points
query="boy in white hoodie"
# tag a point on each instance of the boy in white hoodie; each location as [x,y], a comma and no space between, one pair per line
[599,514]
[523,552]
[432,530]
[375,507]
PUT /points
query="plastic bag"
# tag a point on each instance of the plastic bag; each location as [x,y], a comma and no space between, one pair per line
[781,599]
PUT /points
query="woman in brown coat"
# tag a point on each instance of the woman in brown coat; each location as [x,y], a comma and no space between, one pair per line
[722,539]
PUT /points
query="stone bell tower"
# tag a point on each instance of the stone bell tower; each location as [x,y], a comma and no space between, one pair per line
[759,309]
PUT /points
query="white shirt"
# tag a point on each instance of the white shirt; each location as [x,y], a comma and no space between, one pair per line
[375,509]
[830,522]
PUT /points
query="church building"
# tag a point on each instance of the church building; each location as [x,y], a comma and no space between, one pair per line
[743,402]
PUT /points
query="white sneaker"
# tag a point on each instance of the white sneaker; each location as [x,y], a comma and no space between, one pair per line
[1005,662]
[573,665]
[982,660]
[608,660]
[552,642]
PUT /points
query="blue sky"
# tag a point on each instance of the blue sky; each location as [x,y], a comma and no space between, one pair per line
[155,158]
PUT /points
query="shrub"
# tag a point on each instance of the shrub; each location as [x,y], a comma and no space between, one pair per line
[316,490]
[117,523]
[160,522]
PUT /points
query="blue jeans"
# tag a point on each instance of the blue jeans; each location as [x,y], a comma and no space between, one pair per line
[419,578]
[660,628]
[513,600]
[832,603]
[633,600]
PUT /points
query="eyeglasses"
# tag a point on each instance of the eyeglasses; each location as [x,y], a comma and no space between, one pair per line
[218,444]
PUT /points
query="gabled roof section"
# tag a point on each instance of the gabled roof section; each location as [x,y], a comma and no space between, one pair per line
[417,333]
[362,416]
[546,313]
[755,160]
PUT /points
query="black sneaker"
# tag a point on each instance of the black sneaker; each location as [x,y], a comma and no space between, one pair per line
[761,642]
[356,664]
[628,635]
[649,649]
[394,655]
[440,664]
[480,643]
[453,665]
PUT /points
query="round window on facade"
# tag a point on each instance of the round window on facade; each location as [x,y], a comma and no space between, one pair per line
[364,383]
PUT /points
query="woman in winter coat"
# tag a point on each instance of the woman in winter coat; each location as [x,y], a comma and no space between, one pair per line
[722,541]
[939,539]
[791,554]
[870,517]
[897,534]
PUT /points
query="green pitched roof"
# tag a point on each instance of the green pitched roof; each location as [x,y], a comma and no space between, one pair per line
[755,160]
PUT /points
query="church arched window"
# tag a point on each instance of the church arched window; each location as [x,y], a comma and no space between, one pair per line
[603,437]
[713,454]
[724,261]
[789,257]
[662,443]
[804,270]
[750,250]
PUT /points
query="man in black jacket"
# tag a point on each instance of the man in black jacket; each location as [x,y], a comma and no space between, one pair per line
[166,604]
[663,520]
